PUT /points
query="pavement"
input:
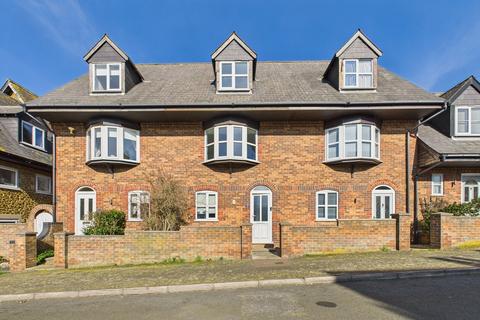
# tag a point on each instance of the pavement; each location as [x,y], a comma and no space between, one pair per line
[423,298]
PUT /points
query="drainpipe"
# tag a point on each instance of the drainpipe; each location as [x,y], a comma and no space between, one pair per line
[417,174]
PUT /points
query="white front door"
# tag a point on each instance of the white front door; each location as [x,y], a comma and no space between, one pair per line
[261,215]
[84,205]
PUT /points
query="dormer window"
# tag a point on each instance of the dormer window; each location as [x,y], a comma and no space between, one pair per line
[358,73]
[33,136]
[106,77]
[234,75]
[467,121]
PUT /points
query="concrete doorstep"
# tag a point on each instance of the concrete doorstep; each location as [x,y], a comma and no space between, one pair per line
[241,284]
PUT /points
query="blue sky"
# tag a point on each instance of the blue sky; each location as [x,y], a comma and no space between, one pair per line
[434,44]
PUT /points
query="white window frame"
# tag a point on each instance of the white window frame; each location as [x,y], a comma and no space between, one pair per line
[391,192]
[8,186]
[463,177]
[326,205]
[207,205]
[357,73]
[34,136]
[108,89]
[374,142]
[469,123]
[90,142]
[139,193]
[234,75]
[37,176]
[230,143]
[434,184]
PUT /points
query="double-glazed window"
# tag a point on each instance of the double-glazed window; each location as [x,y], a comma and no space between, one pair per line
[437,184]
[8,178]
[234,75]
[43,184]
[358,73]
[113,143]
[138,205]
[467,121]
[106,77]
[327,205]
[33,135]
[233,142]
[206,205]
[355,140]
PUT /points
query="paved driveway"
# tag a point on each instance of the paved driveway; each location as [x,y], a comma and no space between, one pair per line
[435,298]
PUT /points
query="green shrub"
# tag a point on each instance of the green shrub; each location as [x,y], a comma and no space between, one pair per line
[3,259]
[173,260]
[471,208]
[43,256]
[427,207]
[106,222]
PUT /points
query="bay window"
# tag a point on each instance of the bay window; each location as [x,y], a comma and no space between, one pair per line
[107,143]
[358,73]
[352,141]
[467,121]
[106,77]
[231,142]
[234,75]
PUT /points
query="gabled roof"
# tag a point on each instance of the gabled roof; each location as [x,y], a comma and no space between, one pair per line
[234,37]
[7,100]
[22,94]
[445,145]
[452,94]
[359,34]
[105,39]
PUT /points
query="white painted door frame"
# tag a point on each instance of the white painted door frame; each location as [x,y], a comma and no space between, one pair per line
[261,228]
[89,204]
[383,194]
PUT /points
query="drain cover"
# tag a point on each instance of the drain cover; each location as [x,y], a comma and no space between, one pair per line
[326,304]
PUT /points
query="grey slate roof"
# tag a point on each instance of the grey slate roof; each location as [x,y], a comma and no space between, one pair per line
[10,145]
[445,145]
[191,84]
[6,100]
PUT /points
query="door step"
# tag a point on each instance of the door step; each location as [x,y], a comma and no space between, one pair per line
[265,251]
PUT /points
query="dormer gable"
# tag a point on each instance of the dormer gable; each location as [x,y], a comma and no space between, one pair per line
[354,67]
[234,65]
[111,71]
[17,92]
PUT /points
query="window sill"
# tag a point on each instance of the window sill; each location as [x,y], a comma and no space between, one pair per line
[234,91]
[107,92]
[112,161]
[437,195]
[33,146]
[134,220]
[44,193]
[240,161]
[326,220]
[14,188]
[353,160]
[206,220]
[356,89]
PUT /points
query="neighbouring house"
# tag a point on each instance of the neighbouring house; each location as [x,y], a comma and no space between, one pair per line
[320,147]
[449,148]
[25,161]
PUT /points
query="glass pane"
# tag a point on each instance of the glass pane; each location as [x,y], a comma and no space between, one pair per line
[241,68]
[365,81]
[222,149]
[237,149]
[212,213]
[466,195]
[332,199]
[212,199]
[351,149]
[333,136]
[437,189]
[332,212]
[90,205]
[237,133]
[378,207]
[201,213]
[377,151]
[251,136]
[351,132]
[365,66]
[210,152]
[366,132]
[201,200]
[475,121]
[436,178]
[321,199]
[333,151]
[130,145]
[264,208]
[377,135]
[112,142]
[366,149]
[256,208]
[114,82]
[222,134]
[321,212]
[350,66]
[462,121]
[387,207]
[241,82]
[100,77]
[43,184]
[39,138]
[226,68]
[209,134]
[98,142]
[350,80]
[251,152]
[134,208]
[82,209]
[475,192]
[227,81]
[27,133]
[7,177]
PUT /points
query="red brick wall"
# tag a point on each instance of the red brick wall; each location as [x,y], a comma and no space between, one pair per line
[447,231]
[8,232]
[291,156]
[148,246]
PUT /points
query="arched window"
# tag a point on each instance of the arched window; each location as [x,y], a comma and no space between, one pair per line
[383,202]
[85,204]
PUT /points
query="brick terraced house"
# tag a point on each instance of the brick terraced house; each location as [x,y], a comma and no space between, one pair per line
[307,144]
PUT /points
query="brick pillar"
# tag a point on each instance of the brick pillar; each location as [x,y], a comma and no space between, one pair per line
[60,245]
[403,231]
[246,241]
[436,230]
[285,240]
[23,251]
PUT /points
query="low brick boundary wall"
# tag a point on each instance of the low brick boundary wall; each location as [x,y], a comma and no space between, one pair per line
[151,246]
[23,251]
[8,232]
[348,235]
[447,230]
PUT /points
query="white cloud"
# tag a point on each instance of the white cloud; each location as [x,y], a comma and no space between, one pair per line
[63,21]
